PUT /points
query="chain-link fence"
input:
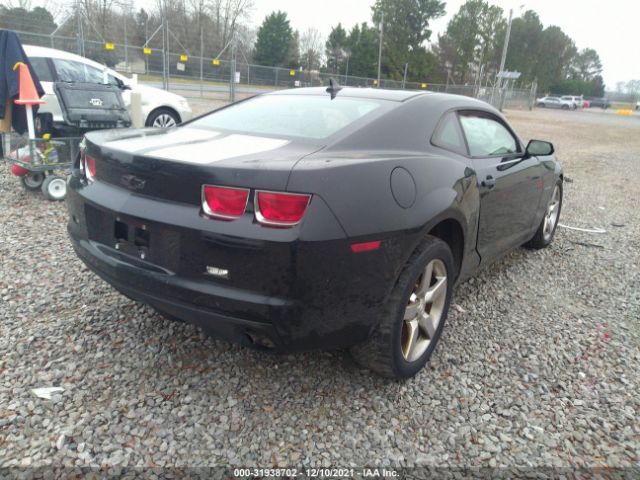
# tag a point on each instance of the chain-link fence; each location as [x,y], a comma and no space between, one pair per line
[206,77]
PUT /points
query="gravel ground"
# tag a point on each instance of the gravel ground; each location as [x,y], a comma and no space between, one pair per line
[539,364]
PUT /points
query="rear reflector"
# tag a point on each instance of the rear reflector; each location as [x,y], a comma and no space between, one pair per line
[281,209]
[365,246]
[224,202]
[90,167]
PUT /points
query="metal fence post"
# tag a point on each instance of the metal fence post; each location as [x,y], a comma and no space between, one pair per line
[232,77]
[201,60]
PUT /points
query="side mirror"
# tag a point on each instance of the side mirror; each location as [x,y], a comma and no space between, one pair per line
[537,148]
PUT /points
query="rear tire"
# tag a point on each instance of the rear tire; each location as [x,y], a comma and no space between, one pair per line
[54,188]
[402,342]
[32,181]
[547,228]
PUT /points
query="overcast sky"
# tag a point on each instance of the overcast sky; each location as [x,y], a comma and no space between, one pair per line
[612,27]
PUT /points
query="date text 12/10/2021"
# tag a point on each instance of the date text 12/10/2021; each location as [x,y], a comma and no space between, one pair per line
[315,473]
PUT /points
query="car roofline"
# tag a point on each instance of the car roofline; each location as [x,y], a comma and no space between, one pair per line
[37,51]
[397,96]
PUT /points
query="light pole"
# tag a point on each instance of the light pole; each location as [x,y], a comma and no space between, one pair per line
[505,47]
[503,60]
[507,36]
[347,53]
[380,47]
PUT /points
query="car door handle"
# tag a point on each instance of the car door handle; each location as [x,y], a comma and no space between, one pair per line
[489,182]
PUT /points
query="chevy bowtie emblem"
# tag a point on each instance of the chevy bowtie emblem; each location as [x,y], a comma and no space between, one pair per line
[96,102]
[133,182]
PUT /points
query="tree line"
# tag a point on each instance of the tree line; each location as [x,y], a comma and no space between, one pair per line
[467,52]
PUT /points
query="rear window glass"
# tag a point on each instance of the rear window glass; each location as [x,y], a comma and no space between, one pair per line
[41,67]
[302,116]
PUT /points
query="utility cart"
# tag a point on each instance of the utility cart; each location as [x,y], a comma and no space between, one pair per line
[43,163]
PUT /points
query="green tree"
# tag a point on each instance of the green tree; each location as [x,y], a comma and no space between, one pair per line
[273,45]
[142,26]
[336,49]
[586,65]
[363,47]
[293,51]
[553,57]
[598,86]
[524,43]
[37,20]
[473,41]
[406,30]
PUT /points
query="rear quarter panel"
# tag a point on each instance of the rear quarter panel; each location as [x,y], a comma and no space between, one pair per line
[358,192]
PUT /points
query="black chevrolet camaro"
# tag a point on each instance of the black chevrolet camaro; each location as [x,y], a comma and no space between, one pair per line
[314,218]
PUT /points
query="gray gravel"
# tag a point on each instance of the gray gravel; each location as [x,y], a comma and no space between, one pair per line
[539,364]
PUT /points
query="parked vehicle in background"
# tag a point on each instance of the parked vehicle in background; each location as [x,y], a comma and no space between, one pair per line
[159,107]
[601,102]
[637,105]
[555,102]
[577,101]
[314,218]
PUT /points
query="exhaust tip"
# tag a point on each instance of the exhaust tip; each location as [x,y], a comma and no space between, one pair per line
[260,340]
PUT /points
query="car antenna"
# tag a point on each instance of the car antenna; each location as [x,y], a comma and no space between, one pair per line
[333,88]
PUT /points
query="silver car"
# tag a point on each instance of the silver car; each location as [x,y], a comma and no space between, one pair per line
[555,102]
[159,107]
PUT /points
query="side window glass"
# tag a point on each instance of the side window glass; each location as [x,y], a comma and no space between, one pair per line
[487,137]
[113,81]
[93,74]
[41,67]
[69,71]
[448,135]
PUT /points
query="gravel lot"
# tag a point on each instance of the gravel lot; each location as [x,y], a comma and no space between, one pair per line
[539,364]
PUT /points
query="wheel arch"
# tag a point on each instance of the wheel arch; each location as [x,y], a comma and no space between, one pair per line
[450,231]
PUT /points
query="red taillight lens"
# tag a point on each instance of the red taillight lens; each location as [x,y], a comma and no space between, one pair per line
[281,209]
[90,167]
[224,202]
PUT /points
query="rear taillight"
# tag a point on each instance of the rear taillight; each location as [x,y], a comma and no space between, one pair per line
[224,202]
[281,209]
[90,167]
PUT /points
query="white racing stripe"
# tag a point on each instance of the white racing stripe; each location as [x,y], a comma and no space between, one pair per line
[218,149]
[178,135]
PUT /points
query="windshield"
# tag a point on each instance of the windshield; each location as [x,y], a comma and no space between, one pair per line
[304,116]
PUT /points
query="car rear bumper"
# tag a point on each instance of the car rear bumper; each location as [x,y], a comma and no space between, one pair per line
[143,284]
[303,294]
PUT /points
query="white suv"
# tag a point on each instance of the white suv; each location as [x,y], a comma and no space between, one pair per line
[577,101]
[159,107]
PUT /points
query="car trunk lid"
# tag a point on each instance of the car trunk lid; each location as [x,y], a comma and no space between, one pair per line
[174,164]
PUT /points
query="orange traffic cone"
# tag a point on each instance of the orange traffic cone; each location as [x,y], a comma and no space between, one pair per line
[27,93]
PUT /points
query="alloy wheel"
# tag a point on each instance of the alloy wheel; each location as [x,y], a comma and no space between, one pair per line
[551,215]
[164,120]
[424,311]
